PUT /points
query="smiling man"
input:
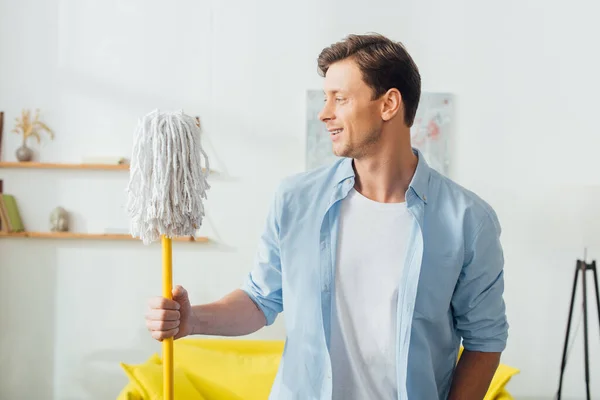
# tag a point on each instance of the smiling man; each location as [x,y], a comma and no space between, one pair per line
[383,266]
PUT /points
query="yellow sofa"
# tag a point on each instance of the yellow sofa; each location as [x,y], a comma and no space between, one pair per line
[232,369]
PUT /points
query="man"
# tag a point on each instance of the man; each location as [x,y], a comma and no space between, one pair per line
[382,265]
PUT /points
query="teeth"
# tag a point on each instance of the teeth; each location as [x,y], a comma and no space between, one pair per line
[336,131]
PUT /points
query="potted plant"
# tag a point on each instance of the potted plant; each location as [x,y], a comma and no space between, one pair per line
[29,128]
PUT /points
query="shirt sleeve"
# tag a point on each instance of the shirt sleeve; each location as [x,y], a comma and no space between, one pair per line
[478,304]
[263,284]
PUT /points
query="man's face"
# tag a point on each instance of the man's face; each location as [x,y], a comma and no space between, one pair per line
[352,118]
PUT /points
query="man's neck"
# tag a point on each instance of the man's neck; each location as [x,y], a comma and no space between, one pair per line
[386,175]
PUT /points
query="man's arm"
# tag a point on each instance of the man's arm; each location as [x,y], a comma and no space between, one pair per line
[473,375]
[243,311]
[234,315]
[479,312]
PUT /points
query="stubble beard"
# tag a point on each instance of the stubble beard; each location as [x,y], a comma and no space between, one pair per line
[361,149]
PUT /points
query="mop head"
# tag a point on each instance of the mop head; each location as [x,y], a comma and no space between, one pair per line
[168,181]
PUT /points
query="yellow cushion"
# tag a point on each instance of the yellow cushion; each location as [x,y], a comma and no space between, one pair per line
[497,387]
[504,395]
[146,382]
[130,392]
[230,369]
[209,369]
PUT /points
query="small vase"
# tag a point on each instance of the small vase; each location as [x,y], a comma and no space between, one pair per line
[24,153]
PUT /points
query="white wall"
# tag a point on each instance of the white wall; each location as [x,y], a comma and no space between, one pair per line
[524,72]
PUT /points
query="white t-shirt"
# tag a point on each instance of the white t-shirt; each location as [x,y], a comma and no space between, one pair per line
[370,258]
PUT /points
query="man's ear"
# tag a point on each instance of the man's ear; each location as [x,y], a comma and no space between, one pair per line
[391,104]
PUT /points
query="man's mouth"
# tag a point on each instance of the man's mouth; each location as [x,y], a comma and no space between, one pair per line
[335,131]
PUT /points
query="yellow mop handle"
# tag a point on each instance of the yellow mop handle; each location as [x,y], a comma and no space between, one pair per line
[167,344]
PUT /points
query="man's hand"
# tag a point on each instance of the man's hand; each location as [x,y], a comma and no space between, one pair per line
[233,315]
[170,318]
[473,375]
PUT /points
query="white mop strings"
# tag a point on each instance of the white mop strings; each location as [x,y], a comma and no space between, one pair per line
[167,183]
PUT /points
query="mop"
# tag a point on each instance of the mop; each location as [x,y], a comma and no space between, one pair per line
[167,186]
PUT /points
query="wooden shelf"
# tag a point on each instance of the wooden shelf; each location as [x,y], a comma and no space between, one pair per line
[38,165]
[93,236]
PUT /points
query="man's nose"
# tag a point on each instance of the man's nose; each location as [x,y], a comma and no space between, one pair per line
[325,114]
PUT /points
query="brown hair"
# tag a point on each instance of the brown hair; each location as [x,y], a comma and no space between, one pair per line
[385,64]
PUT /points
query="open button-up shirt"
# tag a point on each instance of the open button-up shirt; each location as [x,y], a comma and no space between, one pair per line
[450,292]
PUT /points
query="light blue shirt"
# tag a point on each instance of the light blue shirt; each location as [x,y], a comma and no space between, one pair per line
[451,287]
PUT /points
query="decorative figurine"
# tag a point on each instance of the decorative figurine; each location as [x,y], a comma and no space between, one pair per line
[59,220]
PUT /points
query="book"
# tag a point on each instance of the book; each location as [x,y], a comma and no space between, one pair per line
[4,222]
[1,130]
[15,224]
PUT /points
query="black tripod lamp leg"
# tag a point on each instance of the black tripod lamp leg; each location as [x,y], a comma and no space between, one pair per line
[595,270]
[564,357]
[585,332]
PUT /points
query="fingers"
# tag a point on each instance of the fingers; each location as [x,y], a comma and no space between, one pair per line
[162,315]
[161,335]
[163,326]
[163,303]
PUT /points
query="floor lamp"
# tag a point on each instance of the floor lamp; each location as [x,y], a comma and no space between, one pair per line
[581,267]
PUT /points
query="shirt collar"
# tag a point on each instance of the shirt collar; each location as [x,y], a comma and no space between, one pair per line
[419,183]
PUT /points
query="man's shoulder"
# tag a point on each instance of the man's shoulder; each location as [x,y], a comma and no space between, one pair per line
[468,203]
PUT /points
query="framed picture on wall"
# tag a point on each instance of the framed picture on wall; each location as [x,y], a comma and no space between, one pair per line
[433,129]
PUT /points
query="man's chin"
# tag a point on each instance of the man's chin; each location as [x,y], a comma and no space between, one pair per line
[340,152]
